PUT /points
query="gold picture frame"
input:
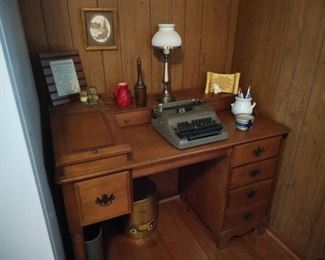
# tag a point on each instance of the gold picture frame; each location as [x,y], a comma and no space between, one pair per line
[100,28]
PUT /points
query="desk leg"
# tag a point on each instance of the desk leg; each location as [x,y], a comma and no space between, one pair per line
[79,246]
[75,227]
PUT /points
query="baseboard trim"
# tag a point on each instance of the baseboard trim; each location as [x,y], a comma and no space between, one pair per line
[283,241]
[169,199]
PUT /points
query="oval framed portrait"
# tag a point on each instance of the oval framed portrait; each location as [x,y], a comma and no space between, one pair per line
[100,28]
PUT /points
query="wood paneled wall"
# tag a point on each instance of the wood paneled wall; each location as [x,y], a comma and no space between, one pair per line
[207,28]
[280,51]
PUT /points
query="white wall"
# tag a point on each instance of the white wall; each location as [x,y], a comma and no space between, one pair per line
[28,225]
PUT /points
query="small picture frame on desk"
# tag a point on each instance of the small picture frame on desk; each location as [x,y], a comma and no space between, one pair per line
[100,28]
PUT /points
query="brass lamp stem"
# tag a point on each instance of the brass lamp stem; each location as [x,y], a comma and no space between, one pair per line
[166,80]
[166,95]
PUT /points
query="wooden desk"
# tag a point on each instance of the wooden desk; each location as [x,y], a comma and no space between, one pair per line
[99,150]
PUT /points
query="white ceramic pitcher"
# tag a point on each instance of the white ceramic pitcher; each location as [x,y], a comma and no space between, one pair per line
[242,106]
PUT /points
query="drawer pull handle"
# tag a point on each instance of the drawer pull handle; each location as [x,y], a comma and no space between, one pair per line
[105,200]
[251,193]
[258,151]
[247,216]
[126,121]
[255,172]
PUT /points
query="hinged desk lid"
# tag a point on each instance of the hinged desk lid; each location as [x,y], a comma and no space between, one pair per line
[86,136]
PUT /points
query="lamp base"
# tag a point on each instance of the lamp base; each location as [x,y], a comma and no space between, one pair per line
[166,97]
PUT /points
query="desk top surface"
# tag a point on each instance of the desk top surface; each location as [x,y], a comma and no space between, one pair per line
[148,146]
[150,153]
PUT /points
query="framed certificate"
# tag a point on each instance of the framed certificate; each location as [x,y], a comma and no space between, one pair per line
[65,77]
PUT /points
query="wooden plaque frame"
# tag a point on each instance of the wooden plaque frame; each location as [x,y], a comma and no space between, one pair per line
[45,59]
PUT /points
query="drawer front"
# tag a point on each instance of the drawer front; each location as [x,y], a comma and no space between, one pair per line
[133,118]
[245,216]
[253,172]
[256,151]
[250,194]
[104,198]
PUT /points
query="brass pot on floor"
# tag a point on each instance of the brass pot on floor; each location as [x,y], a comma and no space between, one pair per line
[143,219]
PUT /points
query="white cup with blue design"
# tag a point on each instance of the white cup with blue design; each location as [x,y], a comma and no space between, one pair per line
[244,121]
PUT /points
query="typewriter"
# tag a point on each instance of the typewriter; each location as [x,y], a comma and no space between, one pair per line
[187,123]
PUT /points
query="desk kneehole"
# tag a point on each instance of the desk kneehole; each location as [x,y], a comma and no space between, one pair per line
[142,221]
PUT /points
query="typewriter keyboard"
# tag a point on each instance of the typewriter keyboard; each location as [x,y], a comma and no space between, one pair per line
[198,128]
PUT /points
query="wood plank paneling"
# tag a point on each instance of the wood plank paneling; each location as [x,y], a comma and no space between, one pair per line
[260,49]
[57,23]
[232,26]
[34,27]
[178,18]
[280,52]
[192,42]
[311,183]
[111,59]
[205,46]
[135,39]
[213,37]
[92,61]
[35,32]
[296,80]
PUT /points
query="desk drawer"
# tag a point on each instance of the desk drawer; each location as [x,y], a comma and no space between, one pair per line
[250,194]
[245,216]
[133,118]
[256,151]
[253,172]
[103,198]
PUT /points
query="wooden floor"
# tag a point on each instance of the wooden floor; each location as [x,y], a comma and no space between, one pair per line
[180,235]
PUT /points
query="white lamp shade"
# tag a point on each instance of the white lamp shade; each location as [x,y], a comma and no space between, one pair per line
[166,37]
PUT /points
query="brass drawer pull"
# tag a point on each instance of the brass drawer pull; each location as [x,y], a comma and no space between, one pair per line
[251,193]
[247,215]
[255,172]
[105,200]
[258,151]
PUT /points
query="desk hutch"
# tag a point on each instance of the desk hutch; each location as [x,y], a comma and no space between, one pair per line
[100,150]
